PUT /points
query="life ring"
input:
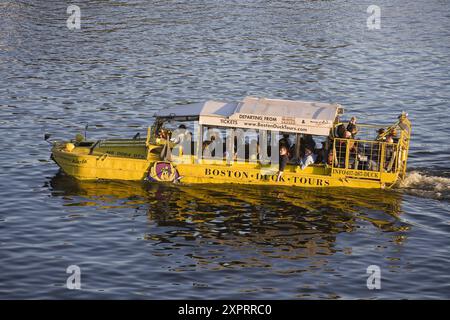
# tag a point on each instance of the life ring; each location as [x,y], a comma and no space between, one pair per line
[163,171]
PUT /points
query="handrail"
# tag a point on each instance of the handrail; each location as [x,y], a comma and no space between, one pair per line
[147,140]
[91,149]
[365,155]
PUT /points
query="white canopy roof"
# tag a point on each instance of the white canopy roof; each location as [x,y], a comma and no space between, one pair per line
[261,114]
[197,110]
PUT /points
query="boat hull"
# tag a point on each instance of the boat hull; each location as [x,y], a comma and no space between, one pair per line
[107,167]
[93,167]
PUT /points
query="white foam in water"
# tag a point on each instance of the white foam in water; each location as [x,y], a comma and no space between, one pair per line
[428,186]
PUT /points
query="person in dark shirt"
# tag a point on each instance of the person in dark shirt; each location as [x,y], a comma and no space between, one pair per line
[352,128]
[309,142]
[341,147]
[352,121]
[380,136]
[284,158]
[285,141]
[306,141]
[340,130]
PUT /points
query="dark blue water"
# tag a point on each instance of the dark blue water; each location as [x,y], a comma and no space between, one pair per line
[131,240]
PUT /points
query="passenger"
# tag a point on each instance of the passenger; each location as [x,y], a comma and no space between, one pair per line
[327,149]
[285,141]
[341,147]
[389,139]
[306,141]
[389,151]
[380,136]
[340,130]
[330,158]
[284,158]
[357,154]
[309,142]
[213,146]
[320,159]
[291,152]
[351,127]
[372,165]
[163,134]
[352,121]
[205,144]
[308,158]
[208,148]
[182,135]
[393,134]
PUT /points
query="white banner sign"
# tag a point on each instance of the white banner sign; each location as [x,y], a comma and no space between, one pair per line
[282,124]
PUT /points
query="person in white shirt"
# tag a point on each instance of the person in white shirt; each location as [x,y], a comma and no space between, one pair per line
[307,159]
[181,136]
[182,141]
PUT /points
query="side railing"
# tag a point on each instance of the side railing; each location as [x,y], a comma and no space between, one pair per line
[374,153]
[365,155]
[405,136]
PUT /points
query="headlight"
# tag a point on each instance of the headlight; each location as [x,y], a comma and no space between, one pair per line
[70,146]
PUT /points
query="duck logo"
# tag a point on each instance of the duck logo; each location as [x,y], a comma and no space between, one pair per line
[163,171]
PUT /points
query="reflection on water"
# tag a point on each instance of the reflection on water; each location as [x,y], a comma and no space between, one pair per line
[286,223]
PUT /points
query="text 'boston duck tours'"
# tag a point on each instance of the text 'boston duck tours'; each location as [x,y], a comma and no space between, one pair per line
[253,141]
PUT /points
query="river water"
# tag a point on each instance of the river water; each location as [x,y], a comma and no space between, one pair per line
[131,240]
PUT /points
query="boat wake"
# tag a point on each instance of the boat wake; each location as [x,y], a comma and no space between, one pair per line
[419,184]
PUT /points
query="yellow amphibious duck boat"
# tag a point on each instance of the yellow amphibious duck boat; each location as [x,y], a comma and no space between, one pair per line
[220,142]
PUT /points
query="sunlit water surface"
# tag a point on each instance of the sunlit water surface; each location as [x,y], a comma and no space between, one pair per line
[134,240]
